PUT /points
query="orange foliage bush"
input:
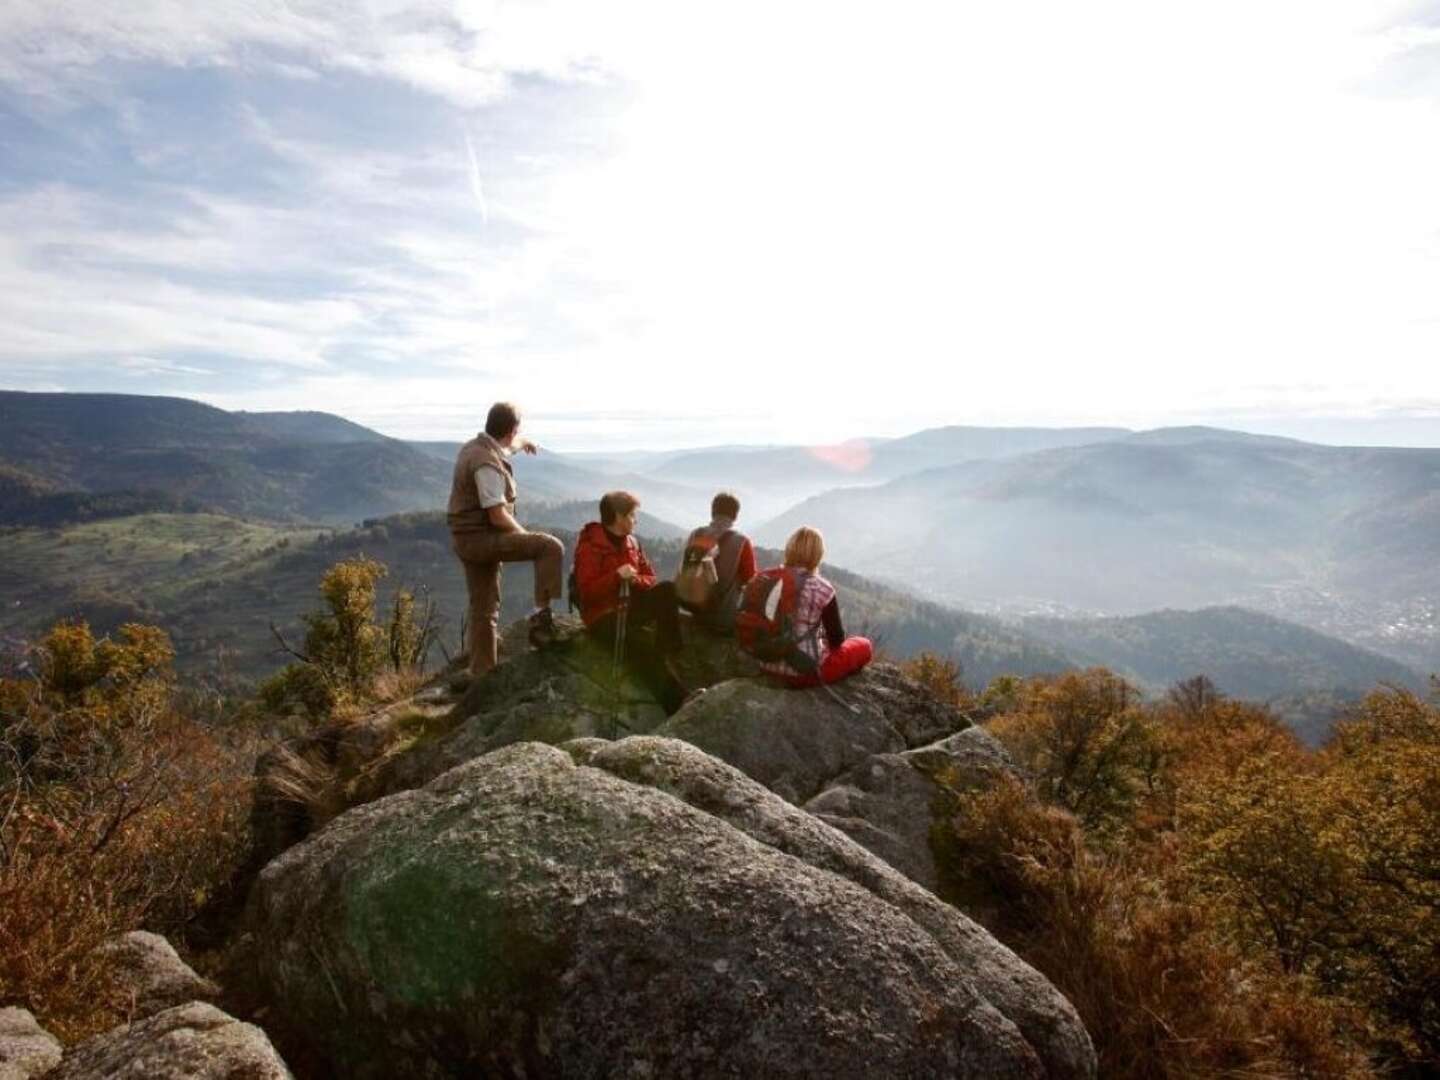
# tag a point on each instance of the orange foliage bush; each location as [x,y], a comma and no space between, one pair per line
[1161,994]
[116,812]
[1083,736]
[1216,899]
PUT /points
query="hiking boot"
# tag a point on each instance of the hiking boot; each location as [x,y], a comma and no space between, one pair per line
[542,629]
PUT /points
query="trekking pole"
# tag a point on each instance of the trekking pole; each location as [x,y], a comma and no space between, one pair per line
[622,614]
[855,710]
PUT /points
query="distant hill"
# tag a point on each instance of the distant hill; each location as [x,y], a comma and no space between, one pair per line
[552,478]
[871,460]
[1163,519]
[770,478]
[440,450]
[310,427]
[940,447]
[178,453]
[573,516]
[1244,653]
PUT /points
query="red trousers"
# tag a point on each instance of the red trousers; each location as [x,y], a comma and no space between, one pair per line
[852,655]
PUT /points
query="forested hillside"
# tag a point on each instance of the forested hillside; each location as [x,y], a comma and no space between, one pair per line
[1305,675]
[281,466]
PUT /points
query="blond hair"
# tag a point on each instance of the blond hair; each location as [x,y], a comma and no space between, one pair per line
[805,548]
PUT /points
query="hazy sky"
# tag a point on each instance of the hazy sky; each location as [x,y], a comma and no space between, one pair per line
[660,224]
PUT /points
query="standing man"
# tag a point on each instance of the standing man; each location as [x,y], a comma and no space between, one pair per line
[484,534]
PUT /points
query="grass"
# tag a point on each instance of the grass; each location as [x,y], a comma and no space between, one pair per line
[162,554]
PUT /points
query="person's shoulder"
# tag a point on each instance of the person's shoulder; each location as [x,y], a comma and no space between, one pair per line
[591,533]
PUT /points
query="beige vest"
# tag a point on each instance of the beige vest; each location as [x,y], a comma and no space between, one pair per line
[465,513]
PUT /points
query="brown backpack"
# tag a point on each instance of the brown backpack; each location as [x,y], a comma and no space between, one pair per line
[705,564]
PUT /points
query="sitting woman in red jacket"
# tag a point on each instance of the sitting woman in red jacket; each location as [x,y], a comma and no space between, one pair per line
[606,554]
[818,629]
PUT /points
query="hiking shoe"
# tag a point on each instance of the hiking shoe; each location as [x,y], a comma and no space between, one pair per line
[542,629]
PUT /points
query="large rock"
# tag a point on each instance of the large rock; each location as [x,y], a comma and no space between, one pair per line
[189,1042]
[796,742]
[149,972]
[549,695]
[525,915]
[1025,997]
[891,803]
[26,1049]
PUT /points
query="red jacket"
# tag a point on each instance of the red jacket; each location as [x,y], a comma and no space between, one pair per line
[597,558]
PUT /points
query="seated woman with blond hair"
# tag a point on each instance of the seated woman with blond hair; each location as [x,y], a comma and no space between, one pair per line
[817,628]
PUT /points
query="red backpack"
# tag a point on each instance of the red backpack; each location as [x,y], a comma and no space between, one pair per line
[765,624]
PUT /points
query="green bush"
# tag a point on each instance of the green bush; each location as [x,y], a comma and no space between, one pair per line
[299,686]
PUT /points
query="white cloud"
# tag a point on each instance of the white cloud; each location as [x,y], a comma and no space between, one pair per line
[463,52]
[1117,212]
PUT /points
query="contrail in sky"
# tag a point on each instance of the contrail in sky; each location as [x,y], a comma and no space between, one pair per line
[475,180]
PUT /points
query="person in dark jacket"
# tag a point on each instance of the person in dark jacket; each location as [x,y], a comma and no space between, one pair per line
[606,554]
[734,562]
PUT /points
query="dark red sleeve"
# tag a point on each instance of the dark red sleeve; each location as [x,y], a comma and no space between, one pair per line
[745,567]
[599,587]
[646,573]
[834,628]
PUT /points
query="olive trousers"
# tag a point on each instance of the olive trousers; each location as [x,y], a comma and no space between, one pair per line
[481,553]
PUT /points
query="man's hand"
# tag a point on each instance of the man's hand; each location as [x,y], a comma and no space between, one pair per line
[527,446]
[627,573]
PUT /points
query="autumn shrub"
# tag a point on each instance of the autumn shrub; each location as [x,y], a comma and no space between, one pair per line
[301,687]
[1160,993]
[347,658]
[940,677]
[117,811]
[1081,735]
[1330,863]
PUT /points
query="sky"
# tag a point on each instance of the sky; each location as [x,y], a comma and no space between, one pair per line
[662,224]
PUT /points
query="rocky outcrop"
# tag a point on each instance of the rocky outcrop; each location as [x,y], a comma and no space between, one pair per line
[653,913]
[26,1049]
[551,695]
[148,971]
[796,742]
[1024,996]
[189,1042]
[890,803]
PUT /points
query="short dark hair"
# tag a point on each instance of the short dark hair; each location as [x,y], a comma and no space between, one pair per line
[504,418]
[725,505]
[614,504]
